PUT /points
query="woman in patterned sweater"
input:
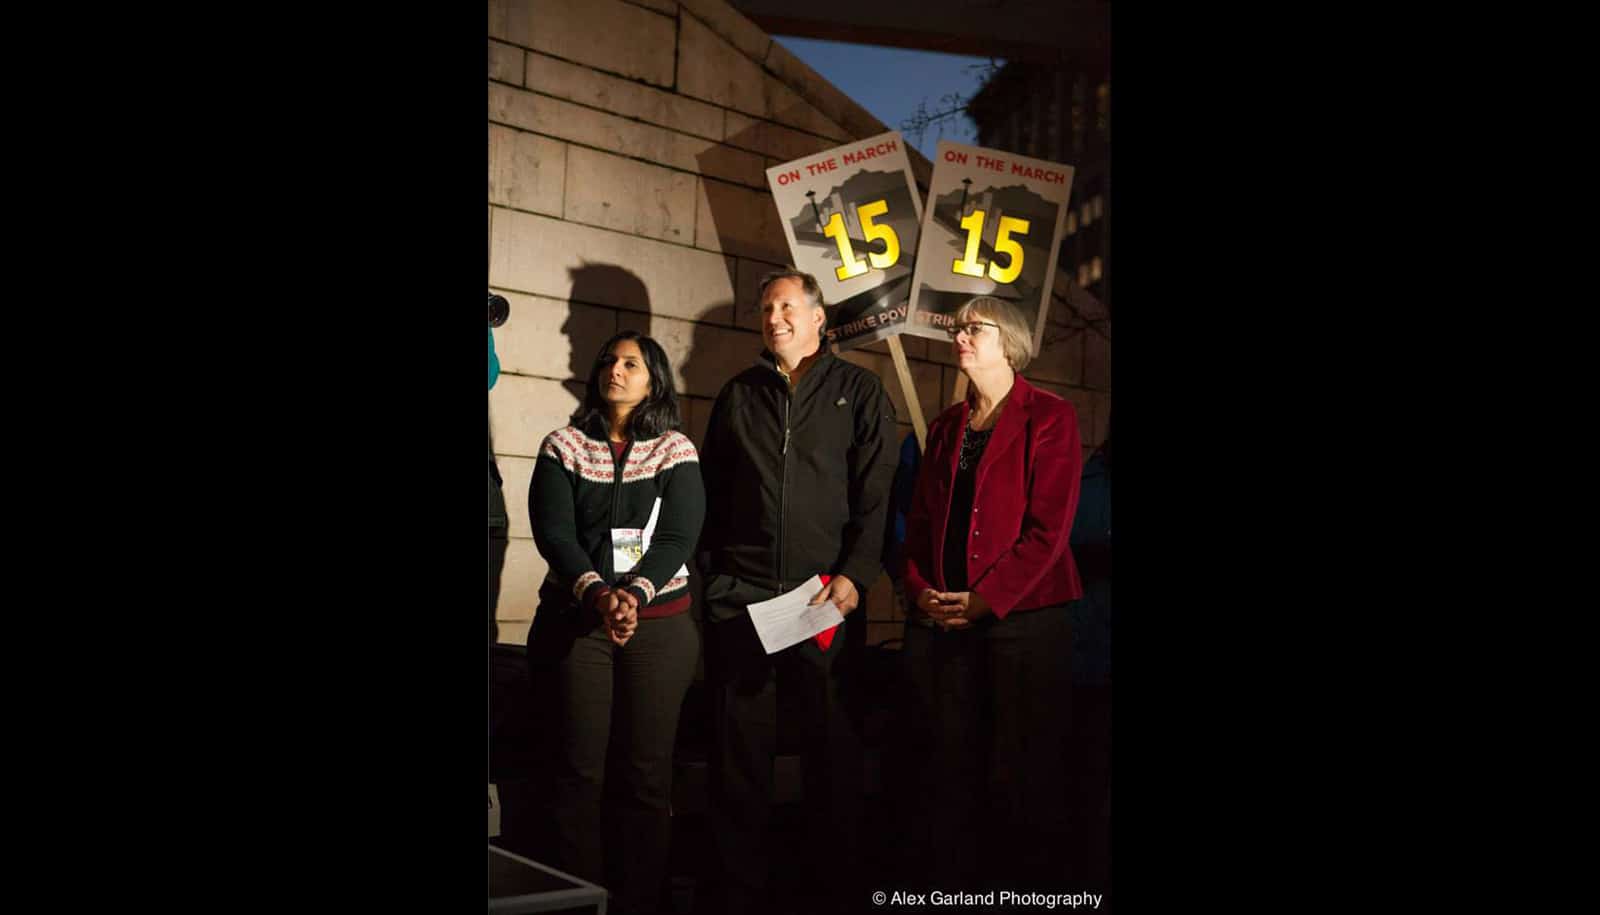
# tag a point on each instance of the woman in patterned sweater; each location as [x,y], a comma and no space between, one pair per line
[617,503]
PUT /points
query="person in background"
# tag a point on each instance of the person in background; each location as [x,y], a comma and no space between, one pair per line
[499,521]
[905,482]
[1088,769]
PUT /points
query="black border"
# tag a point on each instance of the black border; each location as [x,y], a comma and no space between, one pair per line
[1254,477]
[352,219]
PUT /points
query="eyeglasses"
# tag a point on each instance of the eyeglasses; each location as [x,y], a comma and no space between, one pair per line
[972,329]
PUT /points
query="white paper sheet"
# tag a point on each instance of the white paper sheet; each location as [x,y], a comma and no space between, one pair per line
[786,620]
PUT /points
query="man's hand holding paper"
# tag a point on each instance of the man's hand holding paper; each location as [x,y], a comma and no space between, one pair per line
[791,618]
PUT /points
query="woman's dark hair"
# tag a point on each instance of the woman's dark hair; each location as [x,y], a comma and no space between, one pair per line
[658,413]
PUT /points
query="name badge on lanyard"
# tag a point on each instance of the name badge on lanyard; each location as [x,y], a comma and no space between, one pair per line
[629,544]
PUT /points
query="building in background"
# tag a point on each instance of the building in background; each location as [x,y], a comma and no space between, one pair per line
[1060,112]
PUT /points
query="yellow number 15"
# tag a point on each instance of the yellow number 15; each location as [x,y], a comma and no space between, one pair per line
[852,267]
[969,264]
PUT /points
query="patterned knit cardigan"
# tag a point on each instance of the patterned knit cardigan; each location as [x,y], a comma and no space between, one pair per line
[580,493]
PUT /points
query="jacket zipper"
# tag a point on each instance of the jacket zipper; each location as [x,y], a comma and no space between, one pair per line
[616,500]
[783,489]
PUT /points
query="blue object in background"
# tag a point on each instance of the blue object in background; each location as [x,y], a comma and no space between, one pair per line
[905,485]
[1091,544]
[494,361]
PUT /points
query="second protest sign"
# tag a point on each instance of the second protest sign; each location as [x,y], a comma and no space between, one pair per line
[993,227]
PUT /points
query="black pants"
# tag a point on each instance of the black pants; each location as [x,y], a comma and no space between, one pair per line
[628,698]
[497,561]
[1089,784]
[983,721]
[820,687]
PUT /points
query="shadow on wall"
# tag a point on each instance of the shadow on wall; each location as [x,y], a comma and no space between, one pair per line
[745,219]
[597,284]
[703,351]
[710,358]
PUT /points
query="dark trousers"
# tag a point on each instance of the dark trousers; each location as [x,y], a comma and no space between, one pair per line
[819,687]
[624,699]
[983,721]
[497,562]
[1089,784]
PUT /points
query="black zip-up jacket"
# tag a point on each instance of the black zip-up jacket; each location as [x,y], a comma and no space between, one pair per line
[797,486]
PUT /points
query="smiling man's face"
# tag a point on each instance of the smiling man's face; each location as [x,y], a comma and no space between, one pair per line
[791,325]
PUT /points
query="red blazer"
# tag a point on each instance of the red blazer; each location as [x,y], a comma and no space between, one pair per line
[1025,496]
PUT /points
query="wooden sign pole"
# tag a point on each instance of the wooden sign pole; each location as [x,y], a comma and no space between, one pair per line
[903,369]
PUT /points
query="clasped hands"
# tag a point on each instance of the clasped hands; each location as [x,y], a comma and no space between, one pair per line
[619,611]
[951,610]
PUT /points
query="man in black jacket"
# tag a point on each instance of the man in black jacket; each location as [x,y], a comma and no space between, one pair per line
[798,462]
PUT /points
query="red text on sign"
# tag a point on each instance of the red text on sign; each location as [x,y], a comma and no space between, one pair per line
[862,155]
[1048,175]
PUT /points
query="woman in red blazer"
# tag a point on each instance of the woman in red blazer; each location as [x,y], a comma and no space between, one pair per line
[989,574]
